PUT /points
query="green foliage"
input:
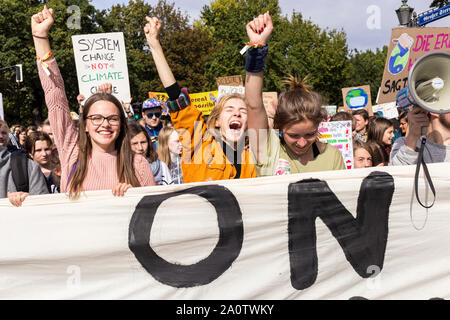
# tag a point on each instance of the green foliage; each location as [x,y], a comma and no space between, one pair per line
[197,54]
[439,3]
[24,103]
[367,68]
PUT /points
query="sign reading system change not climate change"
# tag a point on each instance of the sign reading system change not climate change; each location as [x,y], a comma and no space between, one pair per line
[101,58]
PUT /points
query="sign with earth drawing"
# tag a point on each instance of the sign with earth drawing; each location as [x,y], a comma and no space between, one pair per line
[406,46]
[356,98]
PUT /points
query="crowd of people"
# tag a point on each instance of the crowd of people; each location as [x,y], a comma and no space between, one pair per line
[107,148]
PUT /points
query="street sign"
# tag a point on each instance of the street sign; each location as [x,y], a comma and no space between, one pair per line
[433,15]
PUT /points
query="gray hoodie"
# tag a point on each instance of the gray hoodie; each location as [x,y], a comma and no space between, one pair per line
[36,178]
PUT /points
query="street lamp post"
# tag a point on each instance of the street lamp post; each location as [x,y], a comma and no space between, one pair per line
[404,14]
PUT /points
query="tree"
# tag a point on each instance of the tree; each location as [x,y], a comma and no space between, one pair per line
[24,103]
[186,48]
[439,3]
[297,46]
[367,68]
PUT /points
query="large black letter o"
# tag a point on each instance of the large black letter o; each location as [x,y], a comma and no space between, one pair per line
[231,236]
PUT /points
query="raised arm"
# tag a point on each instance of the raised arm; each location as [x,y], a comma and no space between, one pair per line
[258,31]
[151,30]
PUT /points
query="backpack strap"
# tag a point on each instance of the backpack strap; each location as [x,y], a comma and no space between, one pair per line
[19,171]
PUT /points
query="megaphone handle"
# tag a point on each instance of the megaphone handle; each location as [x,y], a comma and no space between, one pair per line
[424,131]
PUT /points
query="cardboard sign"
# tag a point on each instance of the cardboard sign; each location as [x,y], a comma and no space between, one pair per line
[226,90]
[2,114]
[203,101]
[386,110]
[101,58]
[406,46]
[339,135]
[270,100]
[357,98]
[234,81]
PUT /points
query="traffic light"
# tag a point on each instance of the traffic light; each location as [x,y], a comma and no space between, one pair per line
[19,75]
[137,110]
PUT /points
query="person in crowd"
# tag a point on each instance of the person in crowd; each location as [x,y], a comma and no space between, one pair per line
[295,149]
[169,151]
[39,147]
[13,141]
[31,129]
[362,155]
[47,129]
[141,144]
[381,130]
[22,136]
[215,150]
[403,119]
[362,120]
[437,145]
[36,181]
[55,164]
[345,116]
[98,156]
[380,157]
[151,113]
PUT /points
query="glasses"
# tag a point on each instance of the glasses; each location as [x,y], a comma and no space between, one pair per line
[156,114]
[98,119]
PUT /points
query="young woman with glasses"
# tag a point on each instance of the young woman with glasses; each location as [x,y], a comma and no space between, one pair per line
[99,155]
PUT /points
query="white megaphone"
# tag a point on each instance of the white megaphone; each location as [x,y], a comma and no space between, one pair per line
[428,84]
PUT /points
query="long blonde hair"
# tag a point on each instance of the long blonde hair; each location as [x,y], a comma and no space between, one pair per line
[215,114]
[163,145]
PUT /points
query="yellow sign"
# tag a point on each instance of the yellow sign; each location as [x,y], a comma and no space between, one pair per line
[204,101]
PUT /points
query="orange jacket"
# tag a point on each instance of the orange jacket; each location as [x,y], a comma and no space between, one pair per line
[203,158]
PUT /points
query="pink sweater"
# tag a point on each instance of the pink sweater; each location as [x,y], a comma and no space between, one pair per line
[101,173]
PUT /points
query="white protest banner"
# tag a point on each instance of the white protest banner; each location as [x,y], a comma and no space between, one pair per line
[386,110]
[226,90]
[323,235]
[2,114]
[339,135]
[101,58]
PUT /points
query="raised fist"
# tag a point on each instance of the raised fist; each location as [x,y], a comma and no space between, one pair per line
[42,22]
[260,29]
[151,29]
[105,87]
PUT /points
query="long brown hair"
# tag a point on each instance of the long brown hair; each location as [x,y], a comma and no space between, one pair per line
[133,130]
[163,145]
[298,104]
[125,156]
[376,129]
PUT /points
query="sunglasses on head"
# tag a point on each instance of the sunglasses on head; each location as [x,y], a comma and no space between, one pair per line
[151,114]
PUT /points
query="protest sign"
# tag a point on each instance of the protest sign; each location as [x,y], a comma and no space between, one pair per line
[270,101]
[226,90]
[339,135]
[204,101]
[2,114]
[235,81]
[101,58]
[331,110]
[356,98]
[406,46]
[386,110]
[323,235]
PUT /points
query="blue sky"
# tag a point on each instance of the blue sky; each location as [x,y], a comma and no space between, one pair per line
[349,15]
